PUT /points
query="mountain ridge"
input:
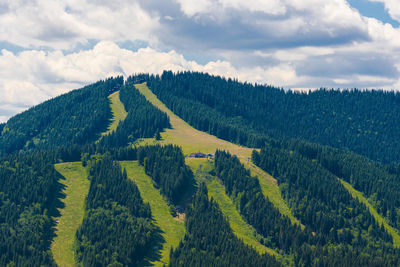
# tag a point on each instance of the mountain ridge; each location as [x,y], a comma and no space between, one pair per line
[311,215]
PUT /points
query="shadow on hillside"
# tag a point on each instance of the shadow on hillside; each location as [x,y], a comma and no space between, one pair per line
[154,253]
[57,204]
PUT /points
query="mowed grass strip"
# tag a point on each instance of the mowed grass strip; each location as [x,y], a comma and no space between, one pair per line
[358,195]
[192,140]
[118,111]
[172,229]
[216,190]
[270,189]
[76,190]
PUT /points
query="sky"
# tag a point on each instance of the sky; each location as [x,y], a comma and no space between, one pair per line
[51,47]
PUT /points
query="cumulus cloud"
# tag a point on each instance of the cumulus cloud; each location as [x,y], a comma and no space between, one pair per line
[392,6]
[255,24]
[65,44]
[64,24]
[30,77]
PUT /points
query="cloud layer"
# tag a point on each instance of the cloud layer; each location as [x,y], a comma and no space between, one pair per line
[50,47]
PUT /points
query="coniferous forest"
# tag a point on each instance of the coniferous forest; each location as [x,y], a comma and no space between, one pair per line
[311,143]
[74,118]
[365,122]
[29,191]
[210,242]
[117,229]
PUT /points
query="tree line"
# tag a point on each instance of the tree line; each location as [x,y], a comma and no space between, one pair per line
[321,202]
[209,240]
[117,229]
[366,122]
[143,120]
[166,167]
[257,210]
[77,117]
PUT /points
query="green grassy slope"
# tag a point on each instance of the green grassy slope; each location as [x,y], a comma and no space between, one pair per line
[76,190]
[270,189]
[118,111]
[357,194]
[173,228]
[216,190]
[192,140]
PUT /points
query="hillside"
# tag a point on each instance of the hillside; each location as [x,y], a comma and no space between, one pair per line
[71,215]
[105,179]
[366,122]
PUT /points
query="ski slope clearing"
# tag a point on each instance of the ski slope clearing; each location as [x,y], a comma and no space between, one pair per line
[192,140]
[358,195]
[173,229]
[76,190]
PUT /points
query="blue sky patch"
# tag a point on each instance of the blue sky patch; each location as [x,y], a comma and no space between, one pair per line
[373,10]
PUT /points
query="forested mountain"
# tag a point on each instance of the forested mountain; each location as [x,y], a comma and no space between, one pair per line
[332,218]
[366,122]
[143,120]
[311,143]
[245,191]
[378,182]
[77,117]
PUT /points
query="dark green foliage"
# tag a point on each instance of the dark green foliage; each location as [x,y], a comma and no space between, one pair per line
[323,204]
[143,119]
[379,183]
[209,240]
[117,228]
[344,255]
[29,189]
[254,207]
[366,122]
[77,117]
[166,167]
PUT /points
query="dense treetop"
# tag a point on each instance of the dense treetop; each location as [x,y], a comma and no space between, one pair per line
[210,241]
[143,120]
[366,122]
[77,117]
[29,192]
[117,228]
[308,141]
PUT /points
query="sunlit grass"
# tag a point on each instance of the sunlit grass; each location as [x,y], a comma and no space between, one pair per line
[173,229]
[358,195]
[76,190]
[118,111]
[192,140]
[217,191]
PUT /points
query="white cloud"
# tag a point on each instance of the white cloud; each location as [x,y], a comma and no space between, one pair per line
[383,34]
[392,6]
[64,24]
[291,15]
[30,77]
[289,43]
